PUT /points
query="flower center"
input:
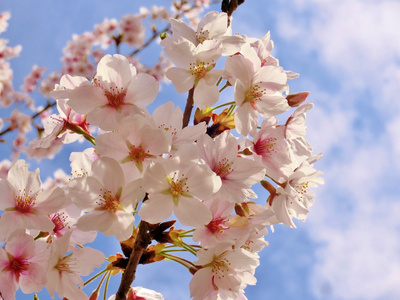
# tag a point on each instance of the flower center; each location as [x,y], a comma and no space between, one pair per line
[64,264]
[254,94]
[115,97]
[202,36]
[266,146]
[216,225]
[138,155]
[172,130]
[223,168]
[200,68]
[24,202]
[301,189]
[59,220]
[178,187]
[17,265]
[109,201]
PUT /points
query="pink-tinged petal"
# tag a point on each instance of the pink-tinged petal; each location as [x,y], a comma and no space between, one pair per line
[7,195]
[181,79]
[132,194]
[109,173]
[85,98]
[8,285]
[50,201]
[202,181]
[209,51]
[22,179]
[111,144]
[114,71]
[246,119]
[156,141]
[240,92]
[142,90]
[214,23]
[192,212]
[96,220]
[212,76]
[8,223]
[231,44]
[272,105]
[84,192]
[205,95]
[39,222]
[157,208]
[273,78]
[68,83]
[32,279]
[238,67]
[190,133]
[89,259]
[20,244]
[201,284]
[71,82]
[122,227]
[154,180]
[104,116]
[181,53]
[181,29]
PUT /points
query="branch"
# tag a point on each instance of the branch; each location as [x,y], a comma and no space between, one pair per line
[143,239]
[188,108]
[49,105]
[229,7]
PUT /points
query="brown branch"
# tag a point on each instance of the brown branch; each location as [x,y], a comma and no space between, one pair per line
[229,7]
[143,239]
[188,108]
[49,105]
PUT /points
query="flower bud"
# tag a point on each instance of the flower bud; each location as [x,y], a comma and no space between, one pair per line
[295,100]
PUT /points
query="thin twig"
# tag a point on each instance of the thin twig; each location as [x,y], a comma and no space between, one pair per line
[49,105]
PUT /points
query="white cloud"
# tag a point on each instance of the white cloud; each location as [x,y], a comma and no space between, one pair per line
[358,40]
[355,217]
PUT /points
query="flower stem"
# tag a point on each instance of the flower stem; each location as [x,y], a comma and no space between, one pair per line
[94,277]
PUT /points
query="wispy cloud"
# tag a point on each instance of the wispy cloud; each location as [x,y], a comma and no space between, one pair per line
[357,126]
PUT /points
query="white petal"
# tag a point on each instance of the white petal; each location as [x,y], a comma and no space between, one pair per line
[192,212]
[157,208]
[181,78]
[205,95]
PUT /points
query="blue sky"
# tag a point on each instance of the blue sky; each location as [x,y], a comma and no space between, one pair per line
[348,55]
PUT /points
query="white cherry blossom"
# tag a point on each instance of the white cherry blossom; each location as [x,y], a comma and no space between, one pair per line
[107,199]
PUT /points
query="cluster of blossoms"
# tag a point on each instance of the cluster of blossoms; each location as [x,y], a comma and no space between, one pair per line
[81,55]
[154,166]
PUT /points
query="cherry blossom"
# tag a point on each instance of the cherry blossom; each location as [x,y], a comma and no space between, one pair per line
[141,293]
[224,271]
[258,90]
[170,120]
[107,199]
[195,69]
[136,144]
[64,270]
[23,264]
[271,149]
[115,92]
[24,203]
[212,26]
[237,174]
[178,185]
